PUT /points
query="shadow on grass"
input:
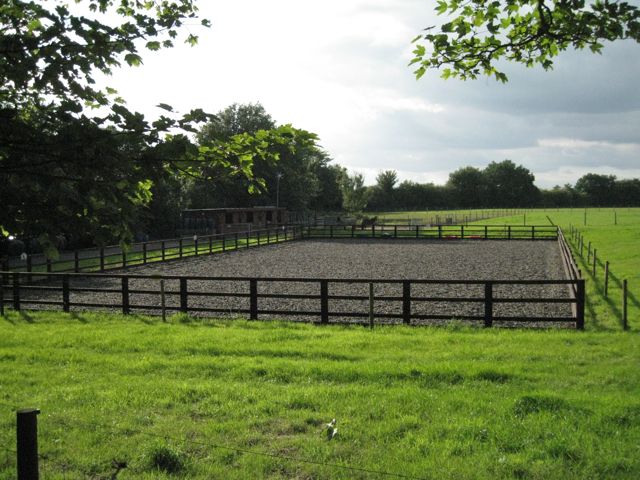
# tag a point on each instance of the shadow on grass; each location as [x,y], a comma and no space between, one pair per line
[26,317]
[78,317]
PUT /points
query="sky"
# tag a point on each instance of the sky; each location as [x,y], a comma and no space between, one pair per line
[339,68]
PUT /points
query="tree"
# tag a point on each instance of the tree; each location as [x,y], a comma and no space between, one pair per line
[510,185]
[72,156]
[481,33]
[382,194]
[355,194]
[468,187]
[290,179]
[598,189]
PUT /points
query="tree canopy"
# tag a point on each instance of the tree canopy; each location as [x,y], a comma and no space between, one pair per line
[481,33]
[73,157]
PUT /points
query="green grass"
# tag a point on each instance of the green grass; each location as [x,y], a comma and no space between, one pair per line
[439,403]
[615,233]
[431,216]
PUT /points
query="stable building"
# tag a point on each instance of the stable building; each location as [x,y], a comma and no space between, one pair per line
[231,220]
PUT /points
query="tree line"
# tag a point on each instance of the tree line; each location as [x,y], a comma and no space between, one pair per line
[76,163]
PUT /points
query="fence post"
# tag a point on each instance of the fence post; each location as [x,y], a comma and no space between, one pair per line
[589,253]
[373,231]
[16,291]
[144,253]
[195,245]
[236,237]
[180,248]
[324,301]
[224,242]
[439,231]
[210,244]
[606,278]
[533,232]
[258,237]
[580,305]
[163,303]
[29,268]
[395,231]
[102,259]
[488,304]
[268,236]
[183,295]
[163,250]
[124,259]
[509,232]
[247,238]
[406,302]
[125,295]
[353,231]
[461,231]
[330,231]
[27,443]
[595,259]
[65,293]
[253,299]
[76,261]
[625,325]
[371,305]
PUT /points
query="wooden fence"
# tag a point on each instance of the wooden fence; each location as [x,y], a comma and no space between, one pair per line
[323,300]
[114,257]
[436,232]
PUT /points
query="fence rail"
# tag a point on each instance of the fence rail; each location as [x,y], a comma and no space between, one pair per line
[436,232]
[324,299]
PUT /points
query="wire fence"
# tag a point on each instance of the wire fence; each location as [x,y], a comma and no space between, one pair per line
[597,265]
[27,462]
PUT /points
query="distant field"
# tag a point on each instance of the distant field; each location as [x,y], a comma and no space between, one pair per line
[425,217]
[205,399]
[616,235]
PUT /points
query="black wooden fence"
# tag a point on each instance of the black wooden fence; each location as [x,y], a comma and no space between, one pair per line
[322,300]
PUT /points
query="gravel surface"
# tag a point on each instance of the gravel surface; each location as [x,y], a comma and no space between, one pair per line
[351,259]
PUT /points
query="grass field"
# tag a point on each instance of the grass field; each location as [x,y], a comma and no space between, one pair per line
[615,233]
[239,399]
[205,400]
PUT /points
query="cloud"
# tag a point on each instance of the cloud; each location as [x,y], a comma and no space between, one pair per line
[340,70]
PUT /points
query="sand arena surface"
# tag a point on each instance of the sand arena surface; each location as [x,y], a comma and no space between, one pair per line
[357,259]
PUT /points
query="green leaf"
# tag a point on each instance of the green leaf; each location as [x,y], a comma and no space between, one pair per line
[133,60]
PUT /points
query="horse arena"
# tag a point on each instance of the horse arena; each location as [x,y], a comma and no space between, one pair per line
[377,259]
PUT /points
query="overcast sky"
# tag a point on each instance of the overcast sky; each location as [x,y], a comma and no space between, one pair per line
[339,68]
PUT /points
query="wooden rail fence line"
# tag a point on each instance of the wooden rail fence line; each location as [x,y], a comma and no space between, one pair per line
[60,287]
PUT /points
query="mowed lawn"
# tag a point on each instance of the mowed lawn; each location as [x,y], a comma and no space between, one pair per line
[615,233]
[240,399]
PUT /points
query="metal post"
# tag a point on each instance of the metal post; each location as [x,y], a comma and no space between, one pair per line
[27,443]
[606,278]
